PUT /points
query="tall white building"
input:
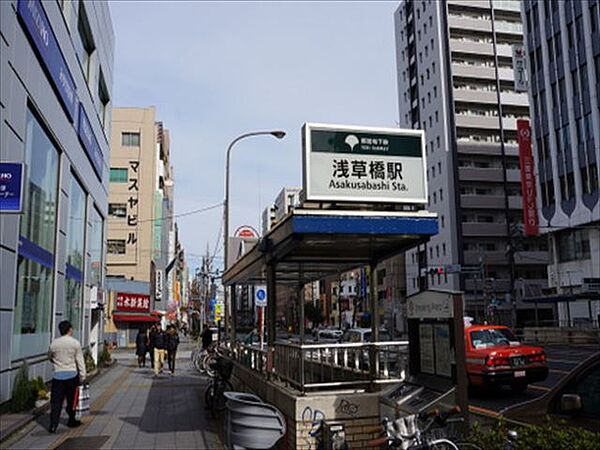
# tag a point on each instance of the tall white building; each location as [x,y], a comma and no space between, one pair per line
[563,45]
[447,53]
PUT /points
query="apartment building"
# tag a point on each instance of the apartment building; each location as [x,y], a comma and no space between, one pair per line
[451,58]
[563,48]
[56,73]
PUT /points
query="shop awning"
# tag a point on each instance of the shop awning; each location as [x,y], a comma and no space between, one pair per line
[123,317]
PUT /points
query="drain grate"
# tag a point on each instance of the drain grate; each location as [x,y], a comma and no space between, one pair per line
[83,443]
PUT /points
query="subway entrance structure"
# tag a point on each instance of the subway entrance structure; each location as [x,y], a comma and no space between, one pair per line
[342,223]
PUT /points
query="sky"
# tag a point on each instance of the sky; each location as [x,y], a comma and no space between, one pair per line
[215,70]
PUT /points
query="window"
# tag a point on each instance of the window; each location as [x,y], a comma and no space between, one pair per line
[95,241]
[118,210]
[435,92]
[428,74]
[437,117]
[441,195]
[130,139]
[587,386]
[116,246]
[85,44]
[35,276]
[73,306]
[437,140]
[437,251]
[594,17]
[443,222]
[118,175]
[573,245]
[433,67]
[104,100]
[444,249]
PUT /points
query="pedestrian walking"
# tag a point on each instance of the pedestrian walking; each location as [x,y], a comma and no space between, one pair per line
[160,347]
[207,337]
[141,346]
[69,371]
[151,336]
[172,344]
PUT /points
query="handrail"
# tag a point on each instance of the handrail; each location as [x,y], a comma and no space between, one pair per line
[341,345]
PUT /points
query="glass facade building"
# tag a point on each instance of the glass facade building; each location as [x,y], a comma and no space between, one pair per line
[55,89]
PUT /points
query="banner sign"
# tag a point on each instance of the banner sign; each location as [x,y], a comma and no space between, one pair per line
[11,187]
[158,285]
[133,302]
[528,191]
[89,141]
[360,164]
[519,67]
[39,31]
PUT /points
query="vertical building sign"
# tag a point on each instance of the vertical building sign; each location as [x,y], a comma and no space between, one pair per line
[132,203]
[530,217]
[519,67]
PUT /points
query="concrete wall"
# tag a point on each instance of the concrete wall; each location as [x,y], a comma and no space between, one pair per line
[359,412]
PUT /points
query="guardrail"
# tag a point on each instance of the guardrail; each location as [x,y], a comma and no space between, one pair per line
[328,366]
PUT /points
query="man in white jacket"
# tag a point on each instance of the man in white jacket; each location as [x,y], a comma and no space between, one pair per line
[69,370]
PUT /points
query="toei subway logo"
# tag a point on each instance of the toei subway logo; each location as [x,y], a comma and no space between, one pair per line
[5,176]
[367,144]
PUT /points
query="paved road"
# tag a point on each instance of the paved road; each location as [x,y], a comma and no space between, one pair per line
[132,410]
[561,359]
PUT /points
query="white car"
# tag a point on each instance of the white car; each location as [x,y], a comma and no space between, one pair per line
[364,335]
[329,336]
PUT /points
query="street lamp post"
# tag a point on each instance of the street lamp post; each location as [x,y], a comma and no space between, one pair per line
[279,134]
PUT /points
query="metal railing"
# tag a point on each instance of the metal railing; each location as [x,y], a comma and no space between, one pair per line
[328,366]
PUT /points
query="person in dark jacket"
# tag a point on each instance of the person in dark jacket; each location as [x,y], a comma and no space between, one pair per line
[207,337]
[172,343]
[141,347]
[160,347]
[151,344]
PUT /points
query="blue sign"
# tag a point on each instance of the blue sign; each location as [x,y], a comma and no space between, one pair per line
[89,141]
[261,294]
[11,187]
[40,32]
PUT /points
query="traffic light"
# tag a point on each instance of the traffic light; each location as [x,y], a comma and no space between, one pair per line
[438,270]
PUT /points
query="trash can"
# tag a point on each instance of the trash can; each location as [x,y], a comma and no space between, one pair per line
[251,423]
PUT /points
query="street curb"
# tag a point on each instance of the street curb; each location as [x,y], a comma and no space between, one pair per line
[37,412]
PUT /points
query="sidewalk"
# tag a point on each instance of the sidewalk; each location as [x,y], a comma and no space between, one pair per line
[132,410]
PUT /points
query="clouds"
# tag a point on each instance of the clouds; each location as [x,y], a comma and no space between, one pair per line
[216,70]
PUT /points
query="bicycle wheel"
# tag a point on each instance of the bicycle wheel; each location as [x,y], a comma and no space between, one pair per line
[209,396]
[220,401]
[208,363]
[443,444]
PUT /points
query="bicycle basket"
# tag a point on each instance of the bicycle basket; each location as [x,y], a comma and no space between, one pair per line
[224,368]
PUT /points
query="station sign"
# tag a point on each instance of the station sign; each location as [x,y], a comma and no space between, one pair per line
[363,164]
[435,305]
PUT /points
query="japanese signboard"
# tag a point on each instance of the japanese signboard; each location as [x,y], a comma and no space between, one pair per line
[528,191]
[436,305]
[360,164]
[132,302]
[519,67]
[158,285]
[11,187]
[132,203]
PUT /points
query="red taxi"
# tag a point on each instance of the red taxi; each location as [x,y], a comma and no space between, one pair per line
[495,357]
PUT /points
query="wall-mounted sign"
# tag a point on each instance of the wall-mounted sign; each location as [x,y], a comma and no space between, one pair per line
[526,163]
[11,187]
[158,285]
[38,29]
[519,67]
[132,302]
[360,164]
[89,141]
[246,231]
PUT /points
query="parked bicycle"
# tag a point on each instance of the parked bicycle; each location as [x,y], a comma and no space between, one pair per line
[213,396]
[203,359]
[413,432]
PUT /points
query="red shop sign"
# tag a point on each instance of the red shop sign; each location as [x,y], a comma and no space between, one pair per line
[133,302]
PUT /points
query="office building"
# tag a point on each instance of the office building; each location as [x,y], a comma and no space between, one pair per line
[285,202]
[447,53]
[563,54]
[56,75]
[142,241]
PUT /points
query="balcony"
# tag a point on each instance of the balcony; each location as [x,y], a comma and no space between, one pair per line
[490,257]
[470,24]
[484,122]
[503,285]
[487,148]
[492,174]
[481,72]
[483,229]
[489,201]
